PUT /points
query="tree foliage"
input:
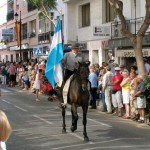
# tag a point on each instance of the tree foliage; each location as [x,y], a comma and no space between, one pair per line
[44,6]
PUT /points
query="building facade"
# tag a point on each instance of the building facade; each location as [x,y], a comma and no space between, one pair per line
[94,24]
[123,50]
[88,23]
[36,30]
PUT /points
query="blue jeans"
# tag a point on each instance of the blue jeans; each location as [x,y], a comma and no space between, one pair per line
[102,98]
[93,94]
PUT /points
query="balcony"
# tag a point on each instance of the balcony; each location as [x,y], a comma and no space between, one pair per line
[10,16]
[118,40]
[45,37]
[132,25]
[31,34]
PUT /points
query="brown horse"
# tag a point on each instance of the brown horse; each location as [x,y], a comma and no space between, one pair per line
[78,95]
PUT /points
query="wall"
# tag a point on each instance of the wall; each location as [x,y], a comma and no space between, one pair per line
[3,11]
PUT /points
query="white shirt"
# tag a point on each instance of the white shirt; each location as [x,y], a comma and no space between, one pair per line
[107,79]
[3,145]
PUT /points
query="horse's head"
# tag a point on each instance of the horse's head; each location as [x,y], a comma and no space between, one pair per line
[83,69]
[83,72]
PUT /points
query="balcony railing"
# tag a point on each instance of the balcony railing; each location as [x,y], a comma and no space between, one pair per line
[45,37]
[31,34]
[132,25]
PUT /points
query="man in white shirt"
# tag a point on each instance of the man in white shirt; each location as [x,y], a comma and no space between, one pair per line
[106,85]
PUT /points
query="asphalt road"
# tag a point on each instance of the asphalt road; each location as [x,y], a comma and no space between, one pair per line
[38,125]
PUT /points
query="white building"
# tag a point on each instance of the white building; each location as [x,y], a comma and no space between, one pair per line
[82,16]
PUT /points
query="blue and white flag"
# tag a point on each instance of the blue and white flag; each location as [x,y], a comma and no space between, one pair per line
[53,71]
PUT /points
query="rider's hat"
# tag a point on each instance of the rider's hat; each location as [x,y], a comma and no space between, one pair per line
[75,45]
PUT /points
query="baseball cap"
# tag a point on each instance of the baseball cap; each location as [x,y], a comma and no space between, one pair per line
[117,68]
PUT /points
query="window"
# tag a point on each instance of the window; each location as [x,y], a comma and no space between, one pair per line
[110,14]
[32,30]
[24,31]
[11,58]
[44,25]
[6,58]
[51,24]
[85,15]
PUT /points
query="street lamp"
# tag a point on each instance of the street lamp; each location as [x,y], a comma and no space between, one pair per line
[17,18]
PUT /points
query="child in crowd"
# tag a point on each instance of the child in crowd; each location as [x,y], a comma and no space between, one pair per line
[37,83]
[25,79]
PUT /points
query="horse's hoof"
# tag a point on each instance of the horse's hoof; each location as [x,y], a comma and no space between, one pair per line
[73,128]
[86,139]
[63,130]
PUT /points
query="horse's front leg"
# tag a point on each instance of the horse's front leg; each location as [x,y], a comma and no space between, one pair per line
[64,123]
[74,118]
[86,139]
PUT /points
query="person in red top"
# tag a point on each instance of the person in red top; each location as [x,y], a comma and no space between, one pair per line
[12,73]
[116,92]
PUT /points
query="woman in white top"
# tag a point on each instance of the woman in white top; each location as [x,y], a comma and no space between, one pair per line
[37,83]
[5,130]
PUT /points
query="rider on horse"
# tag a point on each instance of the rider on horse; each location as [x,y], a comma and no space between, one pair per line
[71,62]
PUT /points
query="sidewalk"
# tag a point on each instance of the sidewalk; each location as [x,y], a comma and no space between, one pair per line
[146,124]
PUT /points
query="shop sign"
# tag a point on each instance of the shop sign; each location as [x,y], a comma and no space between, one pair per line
[127,53]
[7,32]
[102,31]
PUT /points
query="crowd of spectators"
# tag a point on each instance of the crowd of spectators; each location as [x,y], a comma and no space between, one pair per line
[28,76]
[120,90]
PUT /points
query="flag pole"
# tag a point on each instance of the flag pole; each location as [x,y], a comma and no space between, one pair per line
[61,23]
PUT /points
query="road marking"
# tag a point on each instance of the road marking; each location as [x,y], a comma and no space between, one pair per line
[48,122]
[6,101]
[78,145]
[14,105]
[118,147]
[20,108]
[3,90]
[101,123]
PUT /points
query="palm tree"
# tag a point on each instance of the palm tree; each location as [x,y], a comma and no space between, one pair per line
[44,6]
